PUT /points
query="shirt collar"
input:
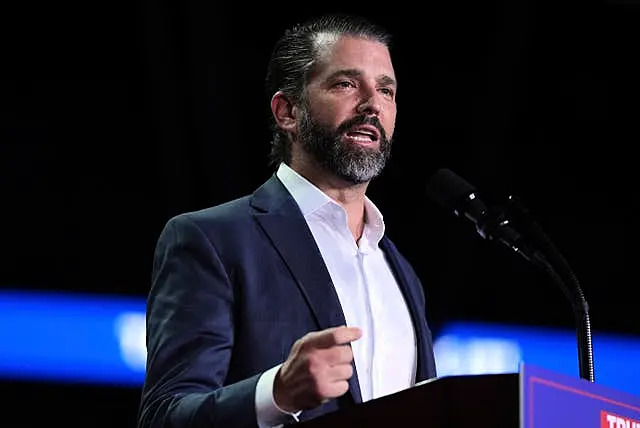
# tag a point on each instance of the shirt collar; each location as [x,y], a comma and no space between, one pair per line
[308,197]
[373,226]
[311,199]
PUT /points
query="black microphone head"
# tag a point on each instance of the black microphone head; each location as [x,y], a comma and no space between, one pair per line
[453,193]
[448,189]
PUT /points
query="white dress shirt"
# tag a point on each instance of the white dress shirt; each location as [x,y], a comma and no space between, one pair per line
[385,355]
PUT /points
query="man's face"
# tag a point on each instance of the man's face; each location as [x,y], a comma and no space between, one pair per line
[349,115]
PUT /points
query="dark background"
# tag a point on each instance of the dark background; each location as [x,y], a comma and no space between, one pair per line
[114,117]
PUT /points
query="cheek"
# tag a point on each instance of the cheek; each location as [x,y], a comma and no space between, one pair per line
[327,114]
[389,124]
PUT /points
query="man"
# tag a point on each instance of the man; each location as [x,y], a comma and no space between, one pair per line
[291,302]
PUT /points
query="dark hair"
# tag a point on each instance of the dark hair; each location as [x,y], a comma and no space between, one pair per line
[294,57]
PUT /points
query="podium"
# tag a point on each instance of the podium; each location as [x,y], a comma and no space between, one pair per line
[532,398]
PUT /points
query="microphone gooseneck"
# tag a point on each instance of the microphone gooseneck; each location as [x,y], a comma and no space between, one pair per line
[559,270]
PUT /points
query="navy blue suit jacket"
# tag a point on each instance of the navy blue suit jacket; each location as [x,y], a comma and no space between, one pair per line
[233,287]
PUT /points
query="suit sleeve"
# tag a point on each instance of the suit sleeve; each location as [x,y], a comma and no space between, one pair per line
[190,335]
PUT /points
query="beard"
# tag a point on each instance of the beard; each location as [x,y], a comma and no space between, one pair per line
[351,162]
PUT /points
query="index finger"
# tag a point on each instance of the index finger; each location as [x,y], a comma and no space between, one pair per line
[335,336]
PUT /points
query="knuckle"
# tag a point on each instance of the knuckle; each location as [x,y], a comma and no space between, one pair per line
[334,354]
[348,371]
[304,341]
[296,348]
[323,390]
[314,364]
[335,336]
[347,353]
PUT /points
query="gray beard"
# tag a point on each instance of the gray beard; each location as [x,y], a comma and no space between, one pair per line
[353,163]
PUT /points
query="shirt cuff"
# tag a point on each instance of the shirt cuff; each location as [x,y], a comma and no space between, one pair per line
[268,413]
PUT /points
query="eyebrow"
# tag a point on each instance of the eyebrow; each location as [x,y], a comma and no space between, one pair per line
[352,72]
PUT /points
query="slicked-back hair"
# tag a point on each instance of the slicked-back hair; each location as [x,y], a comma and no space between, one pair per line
[295,56]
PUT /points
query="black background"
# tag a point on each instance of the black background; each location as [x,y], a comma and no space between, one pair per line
[114,117]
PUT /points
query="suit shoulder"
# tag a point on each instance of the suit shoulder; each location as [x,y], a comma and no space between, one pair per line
[227,214]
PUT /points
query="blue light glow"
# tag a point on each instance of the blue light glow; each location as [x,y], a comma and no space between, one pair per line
[93,339]
[76,338]
[478,348]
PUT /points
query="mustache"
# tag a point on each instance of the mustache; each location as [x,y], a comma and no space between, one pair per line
[362,120]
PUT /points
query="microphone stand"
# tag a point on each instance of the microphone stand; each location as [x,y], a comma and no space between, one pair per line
[555,265]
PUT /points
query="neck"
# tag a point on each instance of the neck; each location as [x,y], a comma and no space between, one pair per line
[348,195]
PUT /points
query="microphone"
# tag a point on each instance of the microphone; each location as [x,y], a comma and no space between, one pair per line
[455,194]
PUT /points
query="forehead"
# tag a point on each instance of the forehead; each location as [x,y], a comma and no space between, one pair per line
[347,53]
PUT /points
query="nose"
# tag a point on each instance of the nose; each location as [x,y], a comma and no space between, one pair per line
[370,105]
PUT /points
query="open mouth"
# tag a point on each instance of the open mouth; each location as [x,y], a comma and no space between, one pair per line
[365,134]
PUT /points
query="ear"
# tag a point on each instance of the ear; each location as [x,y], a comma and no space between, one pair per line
[284,112]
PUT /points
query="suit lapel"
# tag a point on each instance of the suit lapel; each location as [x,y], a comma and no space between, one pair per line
[281,219]
[298,250]
[411,299]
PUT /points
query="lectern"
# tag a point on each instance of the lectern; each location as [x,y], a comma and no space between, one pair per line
[532,398]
